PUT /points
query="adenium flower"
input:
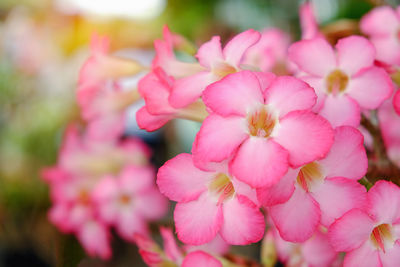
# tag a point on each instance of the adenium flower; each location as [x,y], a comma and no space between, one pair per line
[321,191]
[155,88]
[129,201]
[345,81]
[264,123]
[217,63]
[210,202]
[370,235]
[382,26]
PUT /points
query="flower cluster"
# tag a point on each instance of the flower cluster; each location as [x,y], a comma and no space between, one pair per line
[102,179]
[292,135]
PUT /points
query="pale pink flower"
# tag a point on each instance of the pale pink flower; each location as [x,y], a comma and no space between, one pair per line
[129,201]
[321,191]
[95,238]
[155,88]
[382,26]
[345,81]
[217,63]
[270,52]
[265,123]
[314,252]
[371,235]
[210,202]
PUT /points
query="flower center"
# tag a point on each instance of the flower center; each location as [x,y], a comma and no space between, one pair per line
[382,237]
[124,199]
[222,186]
[309,175]
[336,82]
[261,123]
[83,197]
[222,69]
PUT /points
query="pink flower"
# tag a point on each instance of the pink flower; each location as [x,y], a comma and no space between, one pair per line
[94,237]
[264,123]
[200,259]
[129,201]
[210,202]
[344,82]
[314,252]
[155,88]
[382,25]
[270,52]
[396,102]
[217,63]
[321,191]
[370,236]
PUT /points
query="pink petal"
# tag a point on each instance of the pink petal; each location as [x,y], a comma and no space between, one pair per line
[200,259]
[235,94]
[314,56]
[265,79]
[280,192]
[381,21]
[365,256]
[287,94]
[384,202]
[129,223]
[95,239]
[396,102]
[370,87]
[187,90]
[260,162]
[318,84]
[198,221]
[317,251]
[180,180]
[235,48]
[305,135]
[243,222]
[219,137]
[351,230]
[341,110]
[347,157]
[151,205]
[336,196]
[301,207]
[170,245]
[354,53]
[391,257]
[210,52]
[387,49]
[151,122]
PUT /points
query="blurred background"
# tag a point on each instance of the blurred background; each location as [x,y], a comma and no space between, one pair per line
[43,43]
